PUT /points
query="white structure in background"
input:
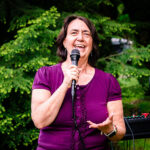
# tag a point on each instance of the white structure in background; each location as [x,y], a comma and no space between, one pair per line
[121,44]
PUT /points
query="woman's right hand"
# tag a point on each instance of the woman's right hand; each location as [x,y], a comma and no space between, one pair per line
[71,73]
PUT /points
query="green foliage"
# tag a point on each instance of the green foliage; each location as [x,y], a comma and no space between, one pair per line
[22,21]
[131,89]
[144,106]
[130,62]
[20,58]
[139,144]
[121,16]
[130,68]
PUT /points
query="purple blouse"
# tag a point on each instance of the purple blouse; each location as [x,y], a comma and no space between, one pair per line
[90,104]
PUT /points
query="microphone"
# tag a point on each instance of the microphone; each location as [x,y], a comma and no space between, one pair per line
[75,55]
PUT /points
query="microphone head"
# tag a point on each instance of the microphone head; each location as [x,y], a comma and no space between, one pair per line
[75,52]
[75,55]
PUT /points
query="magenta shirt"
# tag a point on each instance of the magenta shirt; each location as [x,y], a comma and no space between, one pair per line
[90,104]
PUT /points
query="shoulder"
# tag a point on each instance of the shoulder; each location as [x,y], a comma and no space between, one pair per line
[102,74]
[44,77]
[105,77]
[47,72]
[111,83]
[48,69]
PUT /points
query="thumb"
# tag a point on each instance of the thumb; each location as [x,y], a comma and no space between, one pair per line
[111,117]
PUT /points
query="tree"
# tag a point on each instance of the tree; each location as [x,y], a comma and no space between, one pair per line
[20,59]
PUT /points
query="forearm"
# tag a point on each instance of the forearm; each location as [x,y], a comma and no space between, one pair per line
[46,112]
[116,108]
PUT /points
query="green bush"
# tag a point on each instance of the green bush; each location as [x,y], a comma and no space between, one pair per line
[20,59]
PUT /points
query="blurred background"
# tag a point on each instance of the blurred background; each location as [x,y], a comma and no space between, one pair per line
[28,32]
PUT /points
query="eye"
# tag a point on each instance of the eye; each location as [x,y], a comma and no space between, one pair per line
[73,33]
[87,34]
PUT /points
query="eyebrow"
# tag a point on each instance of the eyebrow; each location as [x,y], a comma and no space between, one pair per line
[82,31]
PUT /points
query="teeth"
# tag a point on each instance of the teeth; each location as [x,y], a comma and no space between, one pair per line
[80,46]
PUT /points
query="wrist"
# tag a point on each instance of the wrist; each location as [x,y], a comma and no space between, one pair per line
[66,84]
[112,133]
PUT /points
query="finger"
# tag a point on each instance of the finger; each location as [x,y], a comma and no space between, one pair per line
[75,76]
[109,119]
[73,67]
[80,69]
[90,122]
[75,71]
[105,123]
[92,125]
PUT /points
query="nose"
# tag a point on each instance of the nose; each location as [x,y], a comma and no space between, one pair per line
[80,37]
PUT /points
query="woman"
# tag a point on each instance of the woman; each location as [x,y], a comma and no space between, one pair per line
[98,106]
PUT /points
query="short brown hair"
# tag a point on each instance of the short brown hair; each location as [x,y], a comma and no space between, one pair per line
[62,53]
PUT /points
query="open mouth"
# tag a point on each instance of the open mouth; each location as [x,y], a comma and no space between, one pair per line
[79,46]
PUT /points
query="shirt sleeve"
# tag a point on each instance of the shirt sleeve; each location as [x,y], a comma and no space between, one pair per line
[114,90]
[41,79]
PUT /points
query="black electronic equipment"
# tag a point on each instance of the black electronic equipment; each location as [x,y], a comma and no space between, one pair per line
[137,127]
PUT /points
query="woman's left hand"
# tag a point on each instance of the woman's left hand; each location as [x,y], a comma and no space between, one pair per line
[105,127]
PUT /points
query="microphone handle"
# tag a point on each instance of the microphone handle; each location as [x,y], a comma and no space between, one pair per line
[73,85]
[73,88]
